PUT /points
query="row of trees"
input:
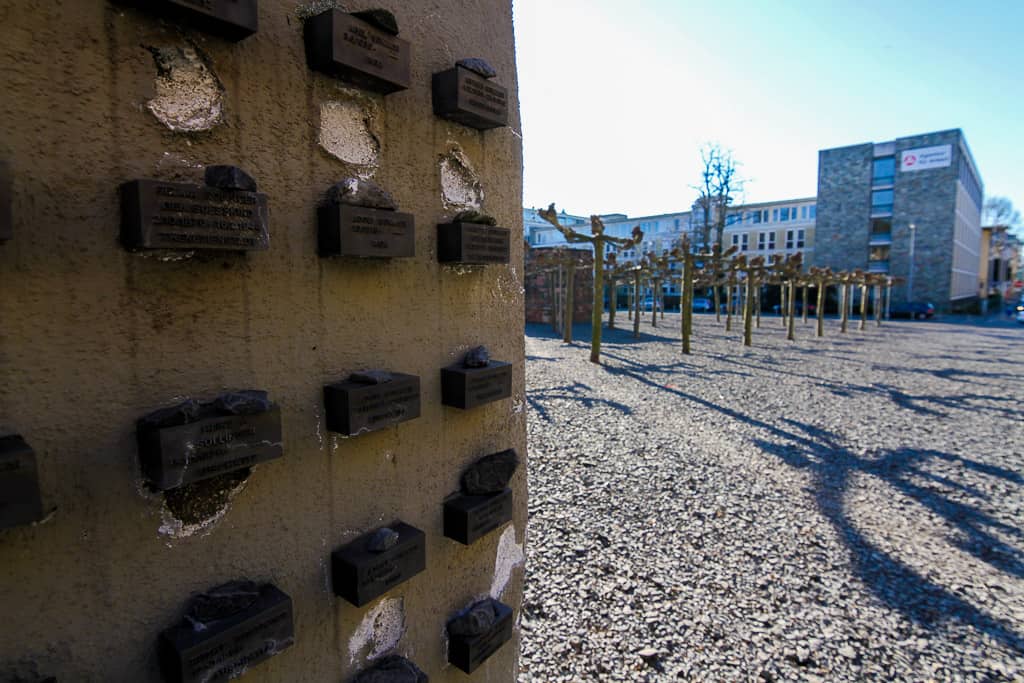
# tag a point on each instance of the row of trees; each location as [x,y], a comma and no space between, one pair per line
[733,277]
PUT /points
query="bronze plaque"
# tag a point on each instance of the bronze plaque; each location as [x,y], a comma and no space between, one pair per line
[345,230]
[161,215]
[230,19]
[346,47]
[462,95]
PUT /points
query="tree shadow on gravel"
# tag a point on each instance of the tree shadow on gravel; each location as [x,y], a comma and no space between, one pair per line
[577,391]
[619,335]
[953,374]
[898,585]
[929,405]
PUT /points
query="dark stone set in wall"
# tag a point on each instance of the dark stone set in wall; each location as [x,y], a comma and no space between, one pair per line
[226,630]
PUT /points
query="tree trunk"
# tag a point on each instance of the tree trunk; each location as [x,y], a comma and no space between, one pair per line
[803,313]
[844,291]
[629,301]
[717,302]
[556,299]
[687,307]
[783,306]
[598,313]
[655,286]
[878,305]
[790,314]
[570,303]
[728,307]
[636,305]
[613,303]
[748,312]
[757,306]
[863,307]
[822,291]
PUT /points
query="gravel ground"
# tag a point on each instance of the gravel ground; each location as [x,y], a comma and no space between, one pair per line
[836,509]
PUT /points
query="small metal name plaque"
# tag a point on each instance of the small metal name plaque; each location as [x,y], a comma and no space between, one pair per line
[159,215]
[229,19]
[20,502]
[472,243]
[179,455]
[6,203]
[353,408]
[469,652]
[464,96]
[346,47]
[467,518]
[465,388]
[359,575]
[225,648]
[346,230]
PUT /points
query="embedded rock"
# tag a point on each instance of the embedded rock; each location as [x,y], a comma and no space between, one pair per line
[477,357]
[472,216]
[359,192]
[477,620]
[371,377]
[490,474]
[247,402]
[380,19]
[183,413]
[229,178]
[221,602]
[382,539]
[393,669]
[478,66]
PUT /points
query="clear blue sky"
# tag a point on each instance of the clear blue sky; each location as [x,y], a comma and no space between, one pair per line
[618,97]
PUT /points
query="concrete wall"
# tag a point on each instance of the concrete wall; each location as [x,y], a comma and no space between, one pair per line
[92,337]
[844,207]
[927,199]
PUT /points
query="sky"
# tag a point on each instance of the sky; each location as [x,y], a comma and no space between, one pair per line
[618,97]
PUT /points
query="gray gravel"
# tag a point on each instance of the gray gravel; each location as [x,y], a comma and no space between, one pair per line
[837,509]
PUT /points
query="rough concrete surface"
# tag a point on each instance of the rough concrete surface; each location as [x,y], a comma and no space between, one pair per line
[93,337]
[836,509]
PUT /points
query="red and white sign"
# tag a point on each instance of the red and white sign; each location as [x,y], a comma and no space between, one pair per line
[924,158]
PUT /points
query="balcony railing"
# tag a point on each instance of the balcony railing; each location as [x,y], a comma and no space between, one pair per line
[878,266]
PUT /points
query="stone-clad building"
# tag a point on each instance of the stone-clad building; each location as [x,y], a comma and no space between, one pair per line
[910,207]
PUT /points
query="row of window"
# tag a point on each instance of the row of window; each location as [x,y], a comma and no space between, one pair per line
[781,214]
[795,239]
[883,171]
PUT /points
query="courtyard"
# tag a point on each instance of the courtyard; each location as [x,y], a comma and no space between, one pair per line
[842,508]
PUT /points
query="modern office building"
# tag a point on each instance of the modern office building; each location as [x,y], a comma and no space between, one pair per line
[910,207]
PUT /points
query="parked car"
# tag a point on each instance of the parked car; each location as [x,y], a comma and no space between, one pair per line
[702,305]
[919,310]
[1020,315]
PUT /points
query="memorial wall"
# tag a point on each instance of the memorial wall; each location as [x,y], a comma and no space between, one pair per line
[262,403]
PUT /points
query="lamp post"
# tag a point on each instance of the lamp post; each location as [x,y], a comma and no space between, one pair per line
[910,278]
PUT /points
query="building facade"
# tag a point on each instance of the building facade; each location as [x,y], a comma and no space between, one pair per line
[910,207]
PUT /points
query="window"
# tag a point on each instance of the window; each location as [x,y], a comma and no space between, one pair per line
[765,240]
[754,217]
[881,202]
[775,215]
[784,214]
[813,211]
[803,213]
[740,241]
[883,171]
[764,216]
[881,227]
[734,219]
[794,239]
[879,254]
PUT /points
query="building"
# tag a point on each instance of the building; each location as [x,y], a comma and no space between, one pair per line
[910,207]
[539,233]
[999,265]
